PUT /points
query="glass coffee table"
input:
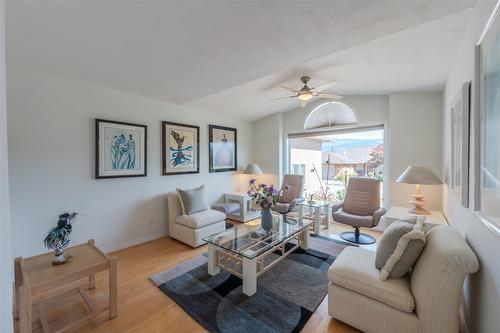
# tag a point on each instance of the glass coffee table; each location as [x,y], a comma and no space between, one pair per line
[245,250]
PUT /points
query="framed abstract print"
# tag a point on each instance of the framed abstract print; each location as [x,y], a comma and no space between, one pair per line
[180,148]
[120,149]
[222,148]
[460,116]
[488,158]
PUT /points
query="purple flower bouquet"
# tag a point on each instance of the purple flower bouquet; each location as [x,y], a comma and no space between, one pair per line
[266,196]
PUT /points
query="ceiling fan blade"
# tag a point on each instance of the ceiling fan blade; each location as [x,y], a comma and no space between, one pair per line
[322,87]
[288,88]
[276,99]
[332,96]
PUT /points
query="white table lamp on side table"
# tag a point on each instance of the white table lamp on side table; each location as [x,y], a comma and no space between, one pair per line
[419,175]
[253,169]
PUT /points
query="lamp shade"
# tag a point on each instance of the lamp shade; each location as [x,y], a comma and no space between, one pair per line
[253,169]
[419,175]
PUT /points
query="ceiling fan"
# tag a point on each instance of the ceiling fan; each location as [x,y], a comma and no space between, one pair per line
[305,94]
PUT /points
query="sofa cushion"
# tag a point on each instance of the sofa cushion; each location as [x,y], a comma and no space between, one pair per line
[200,219]
[399,248]
[227,207]
[193,200]
[354,220]
[354,269]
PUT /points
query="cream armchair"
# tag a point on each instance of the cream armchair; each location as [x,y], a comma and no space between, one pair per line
[191,229]
[427,301]
[361,208]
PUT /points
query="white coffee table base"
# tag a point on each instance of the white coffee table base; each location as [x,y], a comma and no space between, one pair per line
[250,269]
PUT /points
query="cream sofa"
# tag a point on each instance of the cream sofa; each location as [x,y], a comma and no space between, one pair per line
[191,229]
[427,301]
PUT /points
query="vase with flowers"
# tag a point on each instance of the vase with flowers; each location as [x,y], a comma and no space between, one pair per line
[266,196]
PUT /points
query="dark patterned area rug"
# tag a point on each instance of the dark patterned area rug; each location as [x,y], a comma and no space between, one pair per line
[287,294]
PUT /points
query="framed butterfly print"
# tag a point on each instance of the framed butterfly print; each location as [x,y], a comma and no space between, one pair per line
[180,148]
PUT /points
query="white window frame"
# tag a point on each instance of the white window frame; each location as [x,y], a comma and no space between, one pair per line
[337,130]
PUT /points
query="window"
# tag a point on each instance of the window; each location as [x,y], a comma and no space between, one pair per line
[328,159]
[331,114]
[299,169]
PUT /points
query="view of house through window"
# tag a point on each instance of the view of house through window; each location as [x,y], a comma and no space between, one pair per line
[328,161]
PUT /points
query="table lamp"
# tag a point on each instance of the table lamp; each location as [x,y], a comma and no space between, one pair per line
[253,169]
[419,175]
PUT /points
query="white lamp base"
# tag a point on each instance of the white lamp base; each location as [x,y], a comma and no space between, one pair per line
[418,203]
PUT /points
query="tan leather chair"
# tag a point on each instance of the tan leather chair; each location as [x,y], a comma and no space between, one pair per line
[361,208]
[291,197]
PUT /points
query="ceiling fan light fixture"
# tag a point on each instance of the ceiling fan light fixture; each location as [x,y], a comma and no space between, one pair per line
[305,96]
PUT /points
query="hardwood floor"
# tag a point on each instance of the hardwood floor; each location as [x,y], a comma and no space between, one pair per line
[144,308]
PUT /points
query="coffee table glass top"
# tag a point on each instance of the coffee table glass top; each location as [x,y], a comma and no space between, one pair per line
[250,241]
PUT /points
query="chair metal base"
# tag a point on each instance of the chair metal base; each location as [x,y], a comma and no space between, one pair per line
[357,238]
[287,220]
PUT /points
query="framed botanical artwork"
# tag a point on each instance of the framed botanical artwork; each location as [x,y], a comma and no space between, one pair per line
[180,148]
[460,119]
[120,149]
[222,148]
[487,159]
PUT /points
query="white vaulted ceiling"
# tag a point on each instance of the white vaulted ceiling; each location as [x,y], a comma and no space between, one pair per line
[229,56]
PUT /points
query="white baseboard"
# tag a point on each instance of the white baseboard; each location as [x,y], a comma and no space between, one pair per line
[133,242]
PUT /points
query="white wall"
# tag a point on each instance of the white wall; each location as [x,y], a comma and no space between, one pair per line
[51,154]
[267,145]
[482,291]
[5,244]
[415,135]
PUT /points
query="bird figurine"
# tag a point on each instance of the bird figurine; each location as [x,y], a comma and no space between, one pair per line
[58,239]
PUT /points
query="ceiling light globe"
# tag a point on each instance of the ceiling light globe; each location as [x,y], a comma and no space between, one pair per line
[305,96]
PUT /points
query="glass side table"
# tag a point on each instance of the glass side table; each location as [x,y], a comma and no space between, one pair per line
[315,210]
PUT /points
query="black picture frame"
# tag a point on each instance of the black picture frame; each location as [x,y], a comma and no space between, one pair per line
[102,174]
[211,167]
[196,144]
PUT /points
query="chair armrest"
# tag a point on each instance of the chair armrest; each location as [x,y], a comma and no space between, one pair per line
[377,215]
[294,203]
[337,206]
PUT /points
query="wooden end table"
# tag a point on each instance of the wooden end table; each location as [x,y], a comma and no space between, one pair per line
[37,280]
